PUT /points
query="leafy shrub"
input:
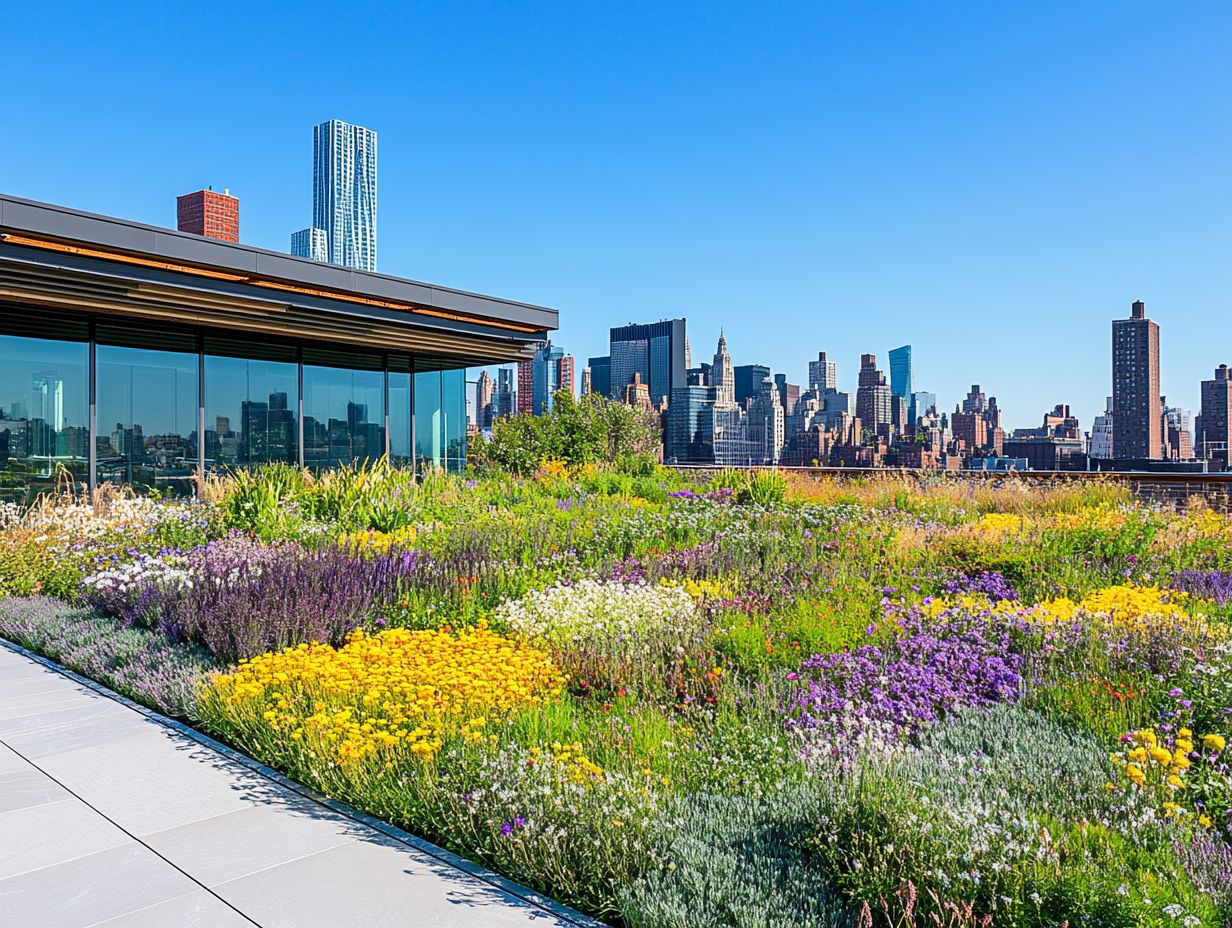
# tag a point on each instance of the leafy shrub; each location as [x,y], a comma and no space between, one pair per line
[576,431]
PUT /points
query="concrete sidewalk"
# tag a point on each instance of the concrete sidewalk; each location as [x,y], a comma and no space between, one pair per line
[112,818]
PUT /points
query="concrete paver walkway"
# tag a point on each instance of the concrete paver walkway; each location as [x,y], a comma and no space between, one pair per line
[112,818]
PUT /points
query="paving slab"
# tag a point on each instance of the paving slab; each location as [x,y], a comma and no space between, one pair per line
[112,817]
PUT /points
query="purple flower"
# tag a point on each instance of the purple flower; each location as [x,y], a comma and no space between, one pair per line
[506,829]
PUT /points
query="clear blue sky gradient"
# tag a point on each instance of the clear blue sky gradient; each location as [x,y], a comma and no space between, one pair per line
[989,182]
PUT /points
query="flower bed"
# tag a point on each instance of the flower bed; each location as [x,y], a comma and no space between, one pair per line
[672,701]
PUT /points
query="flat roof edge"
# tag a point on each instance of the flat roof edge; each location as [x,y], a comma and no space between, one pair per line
[91,229]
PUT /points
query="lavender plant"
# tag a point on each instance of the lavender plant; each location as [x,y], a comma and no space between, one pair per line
[139,663]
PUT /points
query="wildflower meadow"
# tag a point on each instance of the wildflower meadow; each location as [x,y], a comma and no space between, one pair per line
[672,699]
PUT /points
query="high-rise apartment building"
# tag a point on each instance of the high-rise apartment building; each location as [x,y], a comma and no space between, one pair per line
[823,374]
[901,383]
[655,351]
[310,243]
[542,377]
[214,215]
[1177,433]
[1215,438]
[344,192]
[587,385]
[1137,413]
[873,406]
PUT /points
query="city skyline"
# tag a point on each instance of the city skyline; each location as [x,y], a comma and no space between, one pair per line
[890,199]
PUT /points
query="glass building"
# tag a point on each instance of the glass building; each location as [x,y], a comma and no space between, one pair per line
[148,358]
[900,372]
[344,193]
[656,352]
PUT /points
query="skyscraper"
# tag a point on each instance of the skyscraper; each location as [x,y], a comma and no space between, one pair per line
[722,375]
[310,243]
[901,383]
[873,406]
[601,375]
[344,192]
[214,215]
[485,389]
[539,379]
[1137,412]
[1215,436]
[655,351]
[823,374]
[748,380]
[1099,448]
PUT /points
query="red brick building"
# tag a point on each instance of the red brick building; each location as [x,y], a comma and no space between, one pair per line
[214,215]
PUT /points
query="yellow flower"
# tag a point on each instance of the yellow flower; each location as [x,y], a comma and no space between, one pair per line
[1213,742]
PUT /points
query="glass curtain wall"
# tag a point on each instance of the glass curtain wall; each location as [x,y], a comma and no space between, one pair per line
[251,404]
[440,417]
[168,402]
[344,408]
[44,406]
[400,388]
[147,409]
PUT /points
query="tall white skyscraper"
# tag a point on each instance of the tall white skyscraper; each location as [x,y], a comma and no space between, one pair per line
[310,243]
[344,192]
[722,377]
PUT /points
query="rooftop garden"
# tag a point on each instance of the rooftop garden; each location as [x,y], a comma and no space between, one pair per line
[690,700]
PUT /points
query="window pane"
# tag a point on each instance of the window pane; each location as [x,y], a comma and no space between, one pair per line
[429,421]
[147,418]
[44,403]
[453,400]
[250,409]
[344,416]
[400,417]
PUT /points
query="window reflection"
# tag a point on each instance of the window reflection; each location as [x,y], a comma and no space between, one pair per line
[344,416]
[44,401]
[250,412]
[147,418]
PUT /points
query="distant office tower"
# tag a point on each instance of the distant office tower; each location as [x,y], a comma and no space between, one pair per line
[723,375]
[689,432]
[485,390]
[542,377]
[502,402]
[310,243]
[767,424]
[922,403]
[587,385]
[1099,448]
[214,215]
[823,374]
[1177,433]
[601,375]
[873,406]
[748,379]
[1136,407]
[344,192]
[655,351]
[1215,440]
[901,383]
[789,393]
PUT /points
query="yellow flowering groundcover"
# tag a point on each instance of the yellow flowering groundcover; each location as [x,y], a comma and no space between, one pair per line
[398,692]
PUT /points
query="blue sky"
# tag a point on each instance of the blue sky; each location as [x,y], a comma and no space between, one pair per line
[989,182]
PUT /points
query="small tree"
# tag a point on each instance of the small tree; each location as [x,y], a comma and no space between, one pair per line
[593,429]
